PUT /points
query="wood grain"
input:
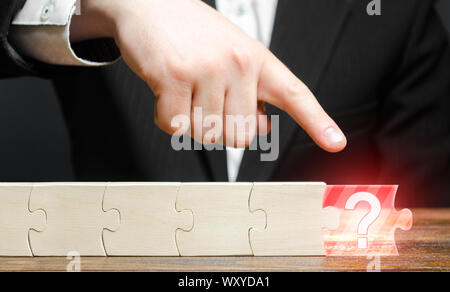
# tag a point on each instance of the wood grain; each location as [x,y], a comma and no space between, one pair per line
[75,219]
[222,219]
[148,219]
[14,199]
[295,219]
[425,248]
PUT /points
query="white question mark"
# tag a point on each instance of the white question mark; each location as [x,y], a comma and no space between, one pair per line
[371,217]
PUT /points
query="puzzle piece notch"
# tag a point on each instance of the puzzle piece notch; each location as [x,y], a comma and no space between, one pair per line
[75,219]
[222,219]
[149,220]
[405,219]
[331,218]
[16,220]
[295,219]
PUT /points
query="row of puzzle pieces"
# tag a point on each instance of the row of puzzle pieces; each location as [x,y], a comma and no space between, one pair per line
[163,219]
[198,219]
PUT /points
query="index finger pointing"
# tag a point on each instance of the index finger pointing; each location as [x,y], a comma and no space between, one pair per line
[281,88]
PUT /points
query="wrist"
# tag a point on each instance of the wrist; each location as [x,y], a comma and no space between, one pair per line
[97,19]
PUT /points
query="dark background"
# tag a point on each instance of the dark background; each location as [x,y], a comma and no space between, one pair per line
[34,144]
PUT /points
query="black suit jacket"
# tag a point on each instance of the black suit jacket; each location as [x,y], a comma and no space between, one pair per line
[384,79]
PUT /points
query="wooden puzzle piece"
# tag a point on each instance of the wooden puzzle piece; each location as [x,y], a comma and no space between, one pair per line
[295,219]
[354,203]
[16,220]
[222,219]
[75,219]
[148,219]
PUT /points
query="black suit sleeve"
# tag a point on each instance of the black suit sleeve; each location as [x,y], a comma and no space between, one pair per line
[414,133]
[11,63]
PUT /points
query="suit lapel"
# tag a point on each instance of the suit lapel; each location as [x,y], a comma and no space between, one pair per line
[304,36]
[211,3]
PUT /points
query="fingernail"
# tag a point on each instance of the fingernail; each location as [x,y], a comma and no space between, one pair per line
[334,136]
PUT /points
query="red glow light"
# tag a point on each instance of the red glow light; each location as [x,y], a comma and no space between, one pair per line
[381,233]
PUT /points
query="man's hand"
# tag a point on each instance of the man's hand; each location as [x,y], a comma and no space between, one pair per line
[191,56]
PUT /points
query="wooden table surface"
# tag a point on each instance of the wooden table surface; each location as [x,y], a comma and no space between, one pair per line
[425,248]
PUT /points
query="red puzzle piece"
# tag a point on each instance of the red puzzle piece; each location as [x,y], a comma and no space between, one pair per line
[365,228]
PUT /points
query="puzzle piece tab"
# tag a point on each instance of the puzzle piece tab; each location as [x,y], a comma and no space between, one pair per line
[149,219]
[16,220]
[222,219]
[75,219]
[295,219]
[375,238]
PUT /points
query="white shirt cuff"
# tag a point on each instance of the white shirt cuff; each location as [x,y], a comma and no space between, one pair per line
[41,30]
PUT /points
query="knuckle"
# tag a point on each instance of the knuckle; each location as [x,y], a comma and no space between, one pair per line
[180,125]
[293,92]
[296,89]
[210,67]
[241,58]
[164,124]
[209,139]
[148,75]
[178,69]
[171,119]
